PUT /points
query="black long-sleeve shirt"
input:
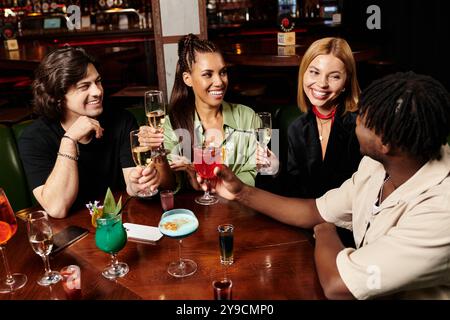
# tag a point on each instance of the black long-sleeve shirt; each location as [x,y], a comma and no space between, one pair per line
[308,176]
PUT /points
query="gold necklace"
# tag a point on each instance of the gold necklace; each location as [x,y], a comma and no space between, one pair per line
[321,127]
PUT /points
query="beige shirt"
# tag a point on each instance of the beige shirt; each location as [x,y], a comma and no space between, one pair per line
[406,250]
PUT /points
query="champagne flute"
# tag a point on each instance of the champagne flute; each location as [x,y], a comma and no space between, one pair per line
[40,235]
[111,237]
[264,134]
[143,157]
[8,227]
[206,158]
[155,110]
[178,224]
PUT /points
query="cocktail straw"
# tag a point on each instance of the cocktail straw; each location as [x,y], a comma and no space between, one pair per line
[124,205]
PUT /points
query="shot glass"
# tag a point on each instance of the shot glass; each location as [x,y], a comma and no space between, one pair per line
[167,202]
[72,282]
[222,289]
[226,235]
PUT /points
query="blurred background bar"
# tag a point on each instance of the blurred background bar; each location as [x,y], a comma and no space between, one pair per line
[124,36]
[117,33]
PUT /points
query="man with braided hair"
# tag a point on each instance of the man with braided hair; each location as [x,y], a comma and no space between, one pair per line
[397,203]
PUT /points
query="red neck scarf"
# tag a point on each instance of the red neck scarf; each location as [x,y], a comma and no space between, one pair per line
[324,116]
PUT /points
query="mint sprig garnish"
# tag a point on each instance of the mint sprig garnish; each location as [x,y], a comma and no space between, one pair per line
[110,206]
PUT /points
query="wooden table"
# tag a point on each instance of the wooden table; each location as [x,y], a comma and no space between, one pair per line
[264,52]
[273,261]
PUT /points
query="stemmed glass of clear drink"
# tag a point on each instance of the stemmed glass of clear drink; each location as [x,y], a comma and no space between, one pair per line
[155,110]
[143,156]
[264,134]
[40,235]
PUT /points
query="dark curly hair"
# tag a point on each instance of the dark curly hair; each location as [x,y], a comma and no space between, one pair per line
[182,100]
[408,111]
[60,69]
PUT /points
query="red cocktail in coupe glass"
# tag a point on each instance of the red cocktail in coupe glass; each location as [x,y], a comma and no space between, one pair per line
[206,159]
[8,227]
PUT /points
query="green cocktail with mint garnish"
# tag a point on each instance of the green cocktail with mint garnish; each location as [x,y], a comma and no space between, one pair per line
[111,237]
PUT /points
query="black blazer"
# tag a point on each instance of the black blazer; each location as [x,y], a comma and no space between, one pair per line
[308,176]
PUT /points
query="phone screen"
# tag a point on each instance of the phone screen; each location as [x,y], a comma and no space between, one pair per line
[66,237]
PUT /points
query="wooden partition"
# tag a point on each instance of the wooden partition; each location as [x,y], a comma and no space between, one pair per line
[173,19]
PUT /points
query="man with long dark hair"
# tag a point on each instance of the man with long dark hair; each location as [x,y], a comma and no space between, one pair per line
[75,150]
[397,203]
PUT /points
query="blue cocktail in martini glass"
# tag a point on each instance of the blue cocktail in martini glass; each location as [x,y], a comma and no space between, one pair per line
[178,224]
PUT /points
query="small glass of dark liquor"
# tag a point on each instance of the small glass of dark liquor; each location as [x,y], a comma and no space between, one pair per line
[222,289]
[167,201]
[226,235]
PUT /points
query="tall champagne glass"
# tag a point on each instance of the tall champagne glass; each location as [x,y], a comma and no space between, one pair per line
[155,110]
[206,158]
[264,133]
[8,227]
[40,235]
[111,237]
[143,157]
[178,224]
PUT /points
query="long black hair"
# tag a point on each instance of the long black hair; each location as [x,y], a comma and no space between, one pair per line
[182,100]
[410,112]
[60,69]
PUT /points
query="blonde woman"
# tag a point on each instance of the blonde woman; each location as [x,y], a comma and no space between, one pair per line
[323,150]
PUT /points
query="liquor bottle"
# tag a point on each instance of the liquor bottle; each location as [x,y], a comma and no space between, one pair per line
[148,16]
[53,6]
[37,8]
[102,4]
[93,13]
[45,6]
[118,4]
[317,11]
[85,18]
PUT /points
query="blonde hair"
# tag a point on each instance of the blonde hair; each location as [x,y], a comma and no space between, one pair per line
[340,49]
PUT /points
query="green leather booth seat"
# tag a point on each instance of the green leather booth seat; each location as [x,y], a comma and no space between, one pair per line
[12,176]
[139,114]
[284,116]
